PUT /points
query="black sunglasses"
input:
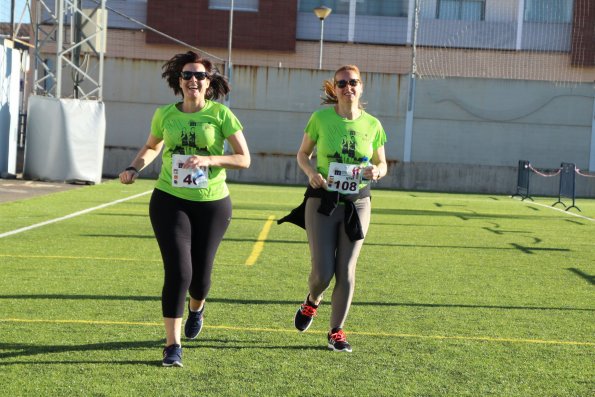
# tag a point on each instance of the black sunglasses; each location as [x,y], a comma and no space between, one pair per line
[343,83]
[199,75]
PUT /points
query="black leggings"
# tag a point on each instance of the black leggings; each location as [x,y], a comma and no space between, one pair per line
[188,234]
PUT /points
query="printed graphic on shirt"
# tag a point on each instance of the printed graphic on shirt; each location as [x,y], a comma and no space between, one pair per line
[343,141]
[194,139]
[350,153]
[201,133]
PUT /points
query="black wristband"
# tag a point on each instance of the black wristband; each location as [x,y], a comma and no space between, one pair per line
[131,169]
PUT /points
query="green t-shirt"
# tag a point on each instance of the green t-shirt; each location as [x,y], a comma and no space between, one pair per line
[341,140]
[201,133]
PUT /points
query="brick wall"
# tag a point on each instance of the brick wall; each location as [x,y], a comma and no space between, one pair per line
[194,23]
[583,35]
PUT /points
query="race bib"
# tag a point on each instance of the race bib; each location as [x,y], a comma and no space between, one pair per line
[193,178]
[344,178]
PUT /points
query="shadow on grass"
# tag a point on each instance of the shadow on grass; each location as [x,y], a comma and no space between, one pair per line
[11,350]
[286,302]
[455,214]
[260,219]
[23,350]
[123,214]
[523,249]
[532,250]
[77,362]
[134,236]
[582,274]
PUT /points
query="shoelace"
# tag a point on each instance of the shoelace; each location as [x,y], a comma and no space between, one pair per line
[308,310]
[339,336]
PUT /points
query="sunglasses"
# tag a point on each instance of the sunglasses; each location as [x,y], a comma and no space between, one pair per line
[199,75]
[343,83]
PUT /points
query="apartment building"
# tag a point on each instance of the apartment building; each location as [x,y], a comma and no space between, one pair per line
[375,33]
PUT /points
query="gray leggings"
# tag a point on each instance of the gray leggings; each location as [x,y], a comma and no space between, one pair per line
[333,254]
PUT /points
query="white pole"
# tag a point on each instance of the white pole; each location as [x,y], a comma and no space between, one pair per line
[519,25]
[411,96]
[592,154]
[59,49]
[229,39]
[351,28]
[103,35]
[321,39]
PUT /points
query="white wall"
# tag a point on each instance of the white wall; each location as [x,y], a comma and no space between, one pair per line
[468,134]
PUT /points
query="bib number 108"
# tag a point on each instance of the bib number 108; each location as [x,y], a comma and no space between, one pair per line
[344,178]
[345,186]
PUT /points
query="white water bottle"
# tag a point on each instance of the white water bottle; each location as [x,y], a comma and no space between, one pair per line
[364,164]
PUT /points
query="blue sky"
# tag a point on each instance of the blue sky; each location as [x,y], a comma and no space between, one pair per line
[18,7]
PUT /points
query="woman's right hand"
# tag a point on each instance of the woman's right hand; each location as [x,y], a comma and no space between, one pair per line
[317,181]
[128,176]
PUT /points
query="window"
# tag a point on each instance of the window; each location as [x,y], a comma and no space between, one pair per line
[468,10]
[548,10]
[338,6]
[385,8]
[238,5]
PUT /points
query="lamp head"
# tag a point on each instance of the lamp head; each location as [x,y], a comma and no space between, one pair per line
[322,12]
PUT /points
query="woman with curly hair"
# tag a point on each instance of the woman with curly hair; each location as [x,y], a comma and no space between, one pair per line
[190,208]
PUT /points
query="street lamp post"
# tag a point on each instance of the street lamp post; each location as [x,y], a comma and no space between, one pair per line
[230,34]
[321,12]
[229,67]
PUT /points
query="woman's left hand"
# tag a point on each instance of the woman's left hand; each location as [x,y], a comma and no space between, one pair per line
[197,161]
[371,172]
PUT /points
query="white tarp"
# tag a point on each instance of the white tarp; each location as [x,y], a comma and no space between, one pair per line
[10,62]
[65,139]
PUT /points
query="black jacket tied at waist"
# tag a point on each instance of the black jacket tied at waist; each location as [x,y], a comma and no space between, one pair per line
[328,203]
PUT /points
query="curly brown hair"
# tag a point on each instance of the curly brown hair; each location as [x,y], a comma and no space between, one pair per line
[172,70]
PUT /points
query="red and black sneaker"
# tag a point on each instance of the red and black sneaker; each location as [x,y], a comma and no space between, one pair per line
[305,315]
[337,341]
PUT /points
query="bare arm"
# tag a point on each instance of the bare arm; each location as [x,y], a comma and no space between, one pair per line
[239,159]
[145,156]
[304,155]
[378,168]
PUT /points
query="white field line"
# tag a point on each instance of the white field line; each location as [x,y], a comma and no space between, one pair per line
[561,210]
[74,214]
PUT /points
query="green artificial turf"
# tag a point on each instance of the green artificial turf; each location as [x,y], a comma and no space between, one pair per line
[457,295]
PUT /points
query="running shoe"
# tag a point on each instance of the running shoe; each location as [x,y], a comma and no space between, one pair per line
[172,356]
[193,324]
[337,341]
[304,316]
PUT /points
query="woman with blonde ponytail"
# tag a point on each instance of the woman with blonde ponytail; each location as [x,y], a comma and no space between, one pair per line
[336,209]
